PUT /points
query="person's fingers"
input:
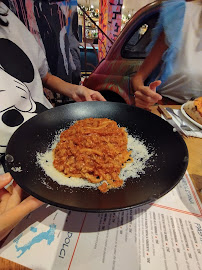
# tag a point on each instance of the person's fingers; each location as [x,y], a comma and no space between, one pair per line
[15,198]
[17,189]
[87,96]
[2,192]
[82,94]
[146,97]
[32,203]
[4,198]
[154,84]
[139,103]
[76,98]
[143,105]
[146,93]
[5,179]
[12,217]
[96,96]
[147,100]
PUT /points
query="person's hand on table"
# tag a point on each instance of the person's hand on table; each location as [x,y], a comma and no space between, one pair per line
[12,209]
[146,96]
[83,93]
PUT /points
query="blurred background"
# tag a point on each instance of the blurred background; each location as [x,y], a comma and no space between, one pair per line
[75,35]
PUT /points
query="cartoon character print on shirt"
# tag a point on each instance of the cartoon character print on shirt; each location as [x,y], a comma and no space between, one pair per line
[16,103]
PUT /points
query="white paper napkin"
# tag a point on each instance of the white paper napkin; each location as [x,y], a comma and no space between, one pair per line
[197,133]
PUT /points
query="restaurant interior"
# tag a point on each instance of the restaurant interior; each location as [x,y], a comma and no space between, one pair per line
[145,213]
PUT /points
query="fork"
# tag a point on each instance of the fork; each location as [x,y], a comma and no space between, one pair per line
[182,124]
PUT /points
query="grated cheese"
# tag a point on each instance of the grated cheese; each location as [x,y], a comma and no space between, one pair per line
[140,154]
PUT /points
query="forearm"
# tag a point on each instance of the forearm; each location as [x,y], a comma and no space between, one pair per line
[75,92]
[11,218]
[150,62]
[138,81]
[57,85]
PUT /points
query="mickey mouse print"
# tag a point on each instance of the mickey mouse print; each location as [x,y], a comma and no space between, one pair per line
[22,65]
[17,104]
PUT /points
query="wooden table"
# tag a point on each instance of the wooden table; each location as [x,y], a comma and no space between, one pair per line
[194,146]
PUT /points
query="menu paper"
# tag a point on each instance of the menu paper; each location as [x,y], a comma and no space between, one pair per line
[166,234]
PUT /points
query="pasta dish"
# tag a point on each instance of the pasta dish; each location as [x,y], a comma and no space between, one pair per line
[94,149]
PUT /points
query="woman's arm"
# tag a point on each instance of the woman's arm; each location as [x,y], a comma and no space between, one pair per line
[76,92]
[145,96]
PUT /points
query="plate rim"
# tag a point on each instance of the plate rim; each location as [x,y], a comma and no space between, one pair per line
[189,118]
[112,209]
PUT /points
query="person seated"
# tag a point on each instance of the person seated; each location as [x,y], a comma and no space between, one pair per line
[24,75]
[173,64]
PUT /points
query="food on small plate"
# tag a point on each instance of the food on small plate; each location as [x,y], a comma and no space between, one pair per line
[94,149]
[194,109]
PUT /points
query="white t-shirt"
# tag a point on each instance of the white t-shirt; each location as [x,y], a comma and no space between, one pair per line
[187,79]
[22,65]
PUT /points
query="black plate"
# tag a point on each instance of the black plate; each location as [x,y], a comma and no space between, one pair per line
[164,170]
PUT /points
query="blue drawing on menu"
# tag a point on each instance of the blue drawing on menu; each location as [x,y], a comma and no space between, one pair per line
[33,229]
[49,236]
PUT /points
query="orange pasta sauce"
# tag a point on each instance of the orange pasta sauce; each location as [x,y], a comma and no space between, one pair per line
[94,149]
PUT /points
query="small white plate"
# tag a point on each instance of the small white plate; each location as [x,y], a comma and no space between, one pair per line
[189,118]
